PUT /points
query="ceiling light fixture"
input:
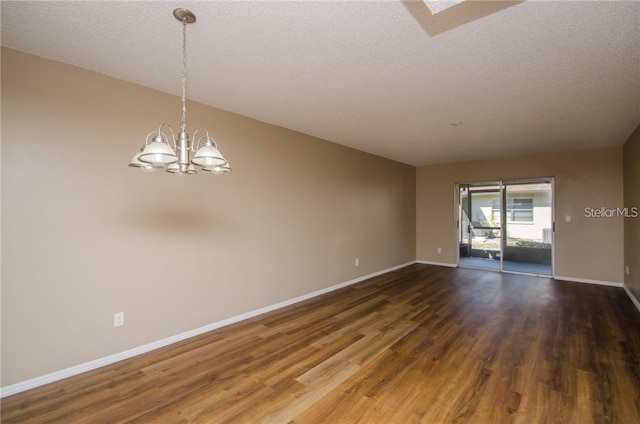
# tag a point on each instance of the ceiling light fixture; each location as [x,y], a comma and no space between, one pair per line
[182,157]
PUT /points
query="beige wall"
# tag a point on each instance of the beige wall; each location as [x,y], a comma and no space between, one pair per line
[84,236]
[631,151]
[585,248]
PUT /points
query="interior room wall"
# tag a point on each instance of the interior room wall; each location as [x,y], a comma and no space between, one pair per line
[84,236]
[631,151]
[585,248]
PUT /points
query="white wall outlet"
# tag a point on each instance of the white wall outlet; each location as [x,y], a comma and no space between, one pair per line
[357,262]
[567,218]
[626,269]
[439,250]
[118,319]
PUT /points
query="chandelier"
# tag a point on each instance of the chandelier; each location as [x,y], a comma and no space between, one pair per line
[182,157]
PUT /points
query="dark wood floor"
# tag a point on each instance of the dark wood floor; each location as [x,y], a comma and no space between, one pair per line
[420,345]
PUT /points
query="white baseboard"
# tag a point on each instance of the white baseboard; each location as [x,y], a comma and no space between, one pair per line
[588,281]
[108,360]
[632,297]
[438,264]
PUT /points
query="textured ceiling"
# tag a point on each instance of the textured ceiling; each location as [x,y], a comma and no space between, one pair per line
[476,80]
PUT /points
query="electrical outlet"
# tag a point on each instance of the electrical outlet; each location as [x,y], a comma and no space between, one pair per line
[626,269]
[357,261]
[439,250]
[118,319]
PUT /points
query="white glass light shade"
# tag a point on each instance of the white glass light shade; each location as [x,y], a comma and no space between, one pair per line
[221,169]
[208,156]
[135,163]
[158,153]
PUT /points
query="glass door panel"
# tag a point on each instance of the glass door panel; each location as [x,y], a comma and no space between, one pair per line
[479,225]
[528,227]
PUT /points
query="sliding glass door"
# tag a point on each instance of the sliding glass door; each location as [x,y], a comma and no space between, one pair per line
[528,226]
[507,225]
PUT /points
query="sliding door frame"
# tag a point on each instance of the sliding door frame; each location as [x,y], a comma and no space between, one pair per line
[503,221]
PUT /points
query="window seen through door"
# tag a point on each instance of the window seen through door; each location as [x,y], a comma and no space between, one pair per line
[518,210]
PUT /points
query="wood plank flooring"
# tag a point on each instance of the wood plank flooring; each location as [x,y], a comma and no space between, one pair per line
[423,344]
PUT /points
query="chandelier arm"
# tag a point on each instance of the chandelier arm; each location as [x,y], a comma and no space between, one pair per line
[173,135]
[196,140]
[195,143]
[146,141]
